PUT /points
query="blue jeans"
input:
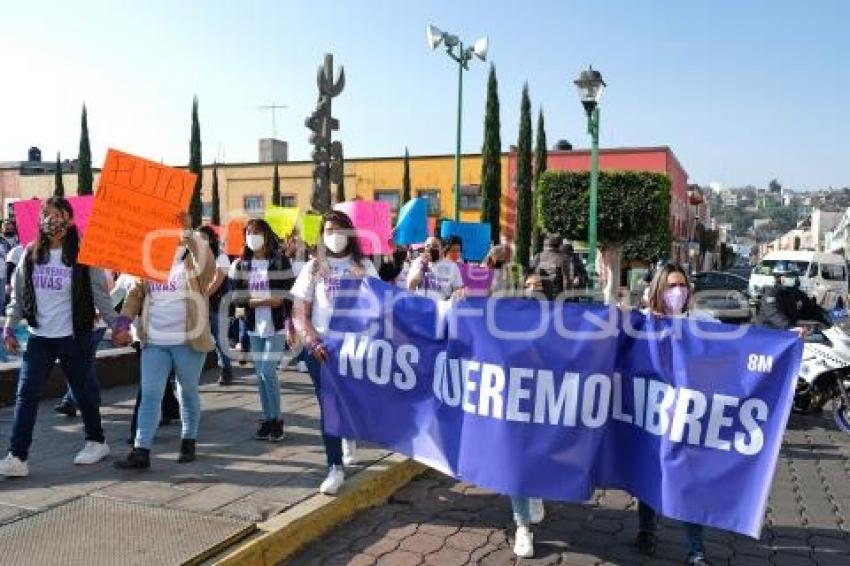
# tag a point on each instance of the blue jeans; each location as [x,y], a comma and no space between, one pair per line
[157,363]
[266,354]
[91,380]
[648,519]
[220,352]
[76,358]
[333,444]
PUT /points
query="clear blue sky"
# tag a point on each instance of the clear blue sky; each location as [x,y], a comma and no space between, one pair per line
[742,91]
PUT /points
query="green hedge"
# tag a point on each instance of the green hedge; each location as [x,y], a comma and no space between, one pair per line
[634,210]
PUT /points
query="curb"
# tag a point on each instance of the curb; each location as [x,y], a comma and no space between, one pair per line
[283,535]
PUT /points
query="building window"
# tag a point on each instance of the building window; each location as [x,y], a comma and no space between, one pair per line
[288,201]
[470,197]
[433,196]
[392,196]
[206,210]
[253,204]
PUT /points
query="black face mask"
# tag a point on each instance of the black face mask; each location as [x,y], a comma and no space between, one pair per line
[435,255]
[9,234]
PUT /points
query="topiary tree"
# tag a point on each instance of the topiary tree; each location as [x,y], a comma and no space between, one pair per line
[541,156]
[633,214]
[58,183]
[525,198]
[276,186]
[85,180]
[195,166]
[405,178]
[216,198]
[491,160]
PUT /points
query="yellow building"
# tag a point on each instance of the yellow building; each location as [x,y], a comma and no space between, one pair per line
[246,188]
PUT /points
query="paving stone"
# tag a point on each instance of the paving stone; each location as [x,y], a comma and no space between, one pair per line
[375,546]
[421,543]
[399,558]
[465,540]
[447,555]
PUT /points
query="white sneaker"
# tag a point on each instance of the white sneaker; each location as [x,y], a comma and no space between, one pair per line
[536,510]
[349,452]
[524,543]
[13,467]
[333,482]
[92,453]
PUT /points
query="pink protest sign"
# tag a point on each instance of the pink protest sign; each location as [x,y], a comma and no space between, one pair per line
[27,212]
[373,223]
[477,280]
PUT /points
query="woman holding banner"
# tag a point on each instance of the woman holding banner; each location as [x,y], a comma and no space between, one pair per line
[57,297]
[173,328]
[261,280]
[339,258]
[669,295]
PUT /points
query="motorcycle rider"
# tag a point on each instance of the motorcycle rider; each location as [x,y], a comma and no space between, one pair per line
[784,305]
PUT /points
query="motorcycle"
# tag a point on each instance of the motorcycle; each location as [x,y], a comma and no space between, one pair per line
[825,372]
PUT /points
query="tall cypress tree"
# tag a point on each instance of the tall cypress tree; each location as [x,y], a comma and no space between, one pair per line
[84,174]
[524,174]
[195,166]
[59,185]
[405,178]
[276,186]
[491,164]
[216,199]
[541,155]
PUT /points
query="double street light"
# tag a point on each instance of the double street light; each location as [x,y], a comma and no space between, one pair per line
[590,86]
[461,55]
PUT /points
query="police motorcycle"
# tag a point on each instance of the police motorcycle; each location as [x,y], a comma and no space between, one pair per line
[825,371]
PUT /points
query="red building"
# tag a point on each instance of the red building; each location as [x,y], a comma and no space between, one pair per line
[659,159]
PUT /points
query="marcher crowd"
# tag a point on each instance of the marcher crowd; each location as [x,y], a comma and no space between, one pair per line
[271,305]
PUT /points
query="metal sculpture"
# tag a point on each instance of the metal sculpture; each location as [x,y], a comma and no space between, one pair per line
[327,155]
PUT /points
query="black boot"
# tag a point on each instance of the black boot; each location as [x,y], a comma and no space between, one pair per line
[137,459]
[63,407]
[225,377]
[187,451]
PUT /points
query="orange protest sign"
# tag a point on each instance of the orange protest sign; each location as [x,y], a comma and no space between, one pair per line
[135,225]
[235,240]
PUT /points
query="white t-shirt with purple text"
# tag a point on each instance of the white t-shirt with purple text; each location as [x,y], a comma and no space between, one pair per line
[53,298]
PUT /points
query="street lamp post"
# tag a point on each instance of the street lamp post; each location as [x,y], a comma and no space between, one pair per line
[590,86]
[462,56]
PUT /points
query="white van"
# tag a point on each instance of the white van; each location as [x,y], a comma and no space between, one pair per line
[823,276]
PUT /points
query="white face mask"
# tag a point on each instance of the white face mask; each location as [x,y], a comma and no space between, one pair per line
[336,242]
[255,242]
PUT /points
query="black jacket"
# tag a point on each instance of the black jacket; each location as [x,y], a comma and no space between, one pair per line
[281,280]
[785,307]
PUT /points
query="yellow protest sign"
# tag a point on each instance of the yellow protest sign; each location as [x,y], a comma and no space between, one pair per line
[282,220]
[311,224]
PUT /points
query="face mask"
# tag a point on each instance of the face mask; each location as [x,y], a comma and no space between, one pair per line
[435,254]
[399,257]
[336,243]
[454,256]
[52,226]
[255,242]
[9,234]
[675,299]
[789,282]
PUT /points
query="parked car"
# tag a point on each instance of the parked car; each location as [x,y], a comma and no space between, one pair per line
[722,295]
[823,276]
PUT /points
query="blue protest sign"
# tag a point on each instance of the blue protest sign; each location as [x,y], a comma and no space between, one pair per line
[554,400]
[412,224]
[475,237]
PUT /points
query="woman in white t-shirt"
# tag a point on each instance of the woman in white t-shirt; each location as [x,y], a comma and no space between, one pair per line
[261,280]
[340,258]
[57,296]
[432,275]
[173,328]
